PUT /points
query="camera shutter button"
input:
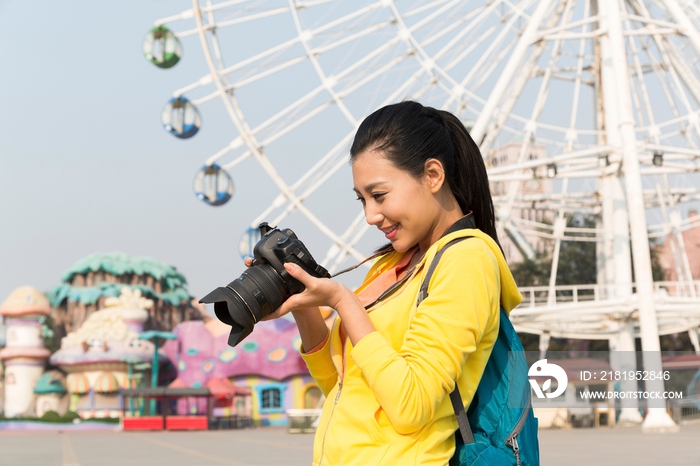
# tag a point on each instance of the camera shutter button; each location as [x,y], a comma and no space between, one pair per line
[282,241]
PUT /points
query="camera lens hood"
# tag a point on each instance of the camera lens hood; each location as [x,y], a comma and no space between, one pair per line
[228,308]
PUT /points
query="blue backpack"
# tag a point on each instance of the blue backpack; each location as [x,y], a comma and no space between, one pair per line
[499,428]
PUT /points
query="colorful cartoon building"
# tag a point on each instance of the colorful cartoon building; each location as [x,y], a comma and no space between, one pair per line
[50,393]
[97,355]
[92,280]
[24,355]
[267,362]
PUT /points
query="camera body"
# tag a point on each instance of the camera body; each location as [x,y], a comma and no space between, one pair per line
[264,286]
[277,247]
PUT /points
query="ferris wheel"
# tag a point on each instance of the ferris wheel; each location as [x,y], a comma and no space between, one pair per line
[585,107]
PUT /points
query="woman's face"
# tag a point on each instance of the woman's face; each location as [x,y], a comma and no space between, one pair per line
[403,207]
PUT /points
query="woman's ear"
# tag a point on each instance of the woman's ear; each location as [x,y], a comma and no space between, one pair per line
[434,175]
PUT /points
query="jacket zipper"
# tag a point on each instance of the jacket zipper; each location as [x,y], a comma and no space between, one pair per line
[512,440]
[335,402]
[323,443]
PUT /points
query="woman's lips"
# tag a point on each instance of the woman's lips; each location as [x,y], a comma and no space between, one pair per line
[391,232]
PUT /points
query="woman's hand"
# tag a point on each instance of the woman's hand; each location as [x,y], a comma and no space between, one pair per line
[326,292]
[318,292]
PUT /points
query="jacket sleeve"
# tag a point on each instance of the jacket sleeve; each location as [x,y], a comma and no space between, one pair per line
[410,383]
[321,366]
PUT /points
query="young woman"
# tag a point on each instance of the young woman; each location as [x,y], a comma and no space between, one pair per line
[388,365]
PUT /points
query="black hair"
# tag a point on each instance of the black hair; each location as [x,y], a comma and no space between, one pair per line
[409,134]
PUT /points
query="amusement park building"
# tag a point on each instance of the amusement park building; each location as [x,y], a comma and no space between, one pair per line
[97,355]
[267,362]
[95,278]
[691,240]
[25,355]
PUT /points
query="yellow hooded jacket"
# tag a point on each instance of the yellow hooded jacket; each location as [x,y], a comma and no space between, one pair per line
[387,399]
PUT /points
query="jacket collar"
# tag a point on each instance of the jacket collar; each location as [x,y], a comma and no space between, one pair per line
[466,222]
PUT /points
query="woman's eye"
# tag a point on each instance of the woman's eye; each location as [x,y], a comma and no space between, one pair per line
[378,196]
[361,199]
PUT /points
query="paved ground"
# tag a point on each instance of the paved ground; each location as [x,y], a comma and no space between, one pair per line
[274,446]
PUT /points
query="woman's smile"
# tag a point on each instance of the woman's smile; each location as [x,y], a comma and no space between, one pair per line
[390,232]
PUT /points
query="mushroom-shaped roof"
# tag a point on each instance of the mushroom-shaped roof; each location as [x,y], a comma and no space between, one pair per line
[173,283]
[105,336]
[271,351]
[50,383]
[25,300]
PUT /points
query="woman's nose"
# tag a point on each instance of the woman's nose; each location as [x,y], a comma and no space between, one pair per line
[373,216]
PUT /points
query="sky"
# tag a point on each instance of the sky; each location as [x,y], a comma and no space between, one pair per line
[85,165]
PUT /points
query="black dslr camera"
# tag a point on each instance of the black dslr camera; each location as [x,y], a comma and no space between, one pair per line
[263,287]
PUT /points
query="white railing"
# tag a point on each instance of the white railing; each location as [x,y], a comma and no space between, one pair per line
[302,420]
[685,410]
[534,296]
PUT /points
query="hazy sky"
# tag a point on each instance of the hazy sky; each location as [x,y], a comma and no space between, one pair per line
[85,166]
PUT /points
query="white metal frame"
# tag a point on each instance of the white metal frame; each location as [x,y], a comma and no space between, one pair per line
[630,73]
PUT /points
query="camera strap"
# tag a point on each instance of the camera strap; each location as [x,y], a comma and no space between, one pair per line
[381,252]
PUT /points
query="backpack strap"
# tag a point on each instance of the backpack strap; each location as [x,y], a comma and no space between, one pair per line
[465,429]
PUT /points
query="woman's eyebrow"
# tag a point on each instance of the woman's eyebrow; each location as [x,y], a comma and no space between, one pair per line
[370,186]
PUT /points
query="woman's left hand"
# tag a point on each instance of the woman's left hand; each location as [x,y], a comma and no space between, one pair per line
[318,292]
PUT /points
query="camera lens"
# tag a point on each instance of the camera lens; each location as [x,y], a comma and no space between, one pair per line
[246,300]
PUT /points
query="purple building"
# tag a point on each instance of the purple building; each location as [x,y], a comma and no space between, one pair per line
[267,362]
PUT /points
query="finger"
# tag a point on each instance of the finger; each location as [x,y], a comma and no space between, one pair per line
[298,273]
[248,261]
[273,315]
[285,308]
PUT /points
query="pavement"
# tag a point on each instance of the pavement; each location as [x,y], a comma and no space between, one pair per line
[274,446]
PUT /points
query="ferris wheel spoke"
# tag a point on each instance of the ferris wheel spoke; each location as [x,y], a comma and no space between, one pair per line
[268,72]
[211,26]
[235,113]
[290,111]
[231,146]
[310,178]
[642,90]
[336,255]
[251,17]
[489,52]
[514,186]
[372,28]
[515,61]
[441,31]
[328,84]
[571,134]
[208,79]
[358,84]
[296,122]
[485,137]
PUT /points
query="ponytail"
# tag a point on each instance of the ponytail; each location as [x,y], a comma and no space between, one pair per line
[469,181]
[409,134]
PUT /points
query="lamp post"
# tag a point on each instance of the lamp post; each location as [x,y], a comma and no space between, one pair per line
[155,336]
